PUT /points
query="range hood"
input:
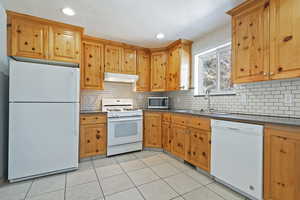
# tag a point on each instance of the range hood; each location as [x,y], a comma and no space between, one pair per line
[124,78]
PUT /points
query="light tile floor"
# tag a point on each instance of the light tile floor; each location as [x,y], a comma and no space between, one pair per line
[145,175]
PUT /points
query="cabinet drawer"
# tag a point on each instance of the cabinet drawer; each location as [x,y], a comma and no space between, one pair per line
[199,123]
[152,114]
[92,119]
[180,119]
[166,117]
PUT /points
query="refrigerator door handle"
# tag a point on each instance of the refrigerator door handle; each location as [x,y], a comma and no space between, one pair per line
[77,83]
[76,119]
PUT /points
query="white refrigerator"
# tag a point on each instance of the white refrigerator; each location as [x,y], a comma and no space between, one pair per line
[43,119]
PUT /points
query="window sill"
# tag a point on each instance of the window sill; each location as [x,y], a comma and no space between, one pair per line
[217,94]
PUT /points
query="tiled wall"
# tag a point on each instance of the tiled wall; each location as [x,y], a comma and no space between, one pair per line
[265,98]
[91,100]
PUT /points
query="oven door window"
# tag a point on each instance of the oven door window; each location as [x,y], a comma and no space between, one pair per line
[125,131]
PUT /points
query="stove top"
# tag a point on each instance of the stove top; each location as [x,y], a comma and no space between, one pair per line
[120,108]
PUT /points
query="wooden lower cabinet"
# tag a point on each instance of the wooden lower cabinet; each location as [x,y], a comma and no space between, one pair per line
[166,136]
[93,135]
[179,133]
[282,163]
[152,130]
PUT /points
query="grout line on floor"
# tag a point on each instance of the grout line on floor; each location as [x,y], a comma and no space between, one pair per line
[29,189]
[98,179]
[65,193]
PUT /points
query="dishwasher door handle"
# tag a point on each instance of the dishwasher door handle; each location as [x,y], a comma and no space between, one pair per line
[234,129]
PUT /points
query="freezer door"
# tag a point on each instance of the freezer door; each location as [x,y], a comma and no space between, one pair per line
[31,82]
[43,138]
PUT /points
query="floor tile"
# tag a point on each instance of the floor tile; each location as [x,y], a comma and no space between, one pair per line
[225,192]
[153,160]
[125,157]
[104,162]
[107,171]
[116,184]
[165,170]
[89,191]
[132,194]
[14,191]
[166,157]
[80,177]
[182,183]
[178,198]
[47,184]
[180,165]
[157,190]
[133,165]
[142,176]
[86,165]
[57,195]
[145,154]
[201,178]
[202,194]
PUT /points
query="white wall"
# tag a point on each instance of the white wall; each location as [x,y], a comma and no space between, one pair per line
[3,95]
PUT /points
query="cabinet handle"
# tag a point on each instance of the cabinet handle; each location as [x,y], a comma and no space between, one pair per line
[204,154]
[26,43]
[33,48]
[98,137]
[90,55]
[194,153]
[280,69]
[288,38]
[19,31]
[83,118]
[282,151]
[170,141]
[283,138]
[209,142]
[201,138]
[88,141]
[98,131]
[189,152]
[242,69]
[97,150]
[267,4]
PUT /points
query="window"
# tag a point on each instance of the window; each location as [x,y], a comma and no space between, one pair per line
[213,71]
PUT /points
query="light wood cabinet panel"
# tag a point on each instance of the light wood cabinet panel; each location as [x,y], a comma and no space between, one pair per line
[178,70]
[282,163]
[113,59]
[28,38]
[129,65]
[178,144]
[166,136]
[152,130]
[200,148]
[250,42]
[285,39]
[159,62]
[92,68]
[64,44]
[143,71]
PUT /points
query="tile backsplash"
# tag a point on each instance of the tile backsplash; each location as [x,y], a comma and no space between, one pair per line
[276,98]
[91,99]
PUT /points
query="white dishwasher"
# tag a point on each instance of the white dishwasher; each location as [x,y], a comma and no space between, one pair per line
[237,156]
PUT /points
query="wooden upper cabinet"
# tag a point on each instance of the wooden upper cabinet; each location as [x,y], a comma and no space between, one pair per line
[143,71]
[250,42]
[129,64]
[159,63]
[285,39]
[28,38]
[38,38]
[92,68]
[64,44]
[178,70]
[282,163]
[113,59]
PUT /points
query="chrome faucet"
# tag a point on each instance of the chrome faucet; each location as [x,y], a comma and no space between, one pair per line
[207,97]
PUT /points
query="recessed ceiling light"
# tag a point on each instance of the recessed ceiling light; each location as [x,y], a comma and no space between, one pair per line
[160,36]
[68,11]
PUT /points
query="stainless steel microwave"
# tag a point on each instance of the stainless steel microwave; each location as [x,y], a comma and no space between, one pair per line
[158,102]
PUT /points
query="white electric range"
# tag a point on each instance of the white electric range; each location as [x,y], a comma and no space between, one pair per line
[125,126]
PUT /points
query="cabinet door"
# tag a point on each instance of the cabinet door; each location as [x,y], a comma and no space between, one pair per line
[200,149]
[158,71]
[166,136]
[92,67]
[178,144]
[64,44]
[152,131]
[29,39]
[285,39]
[143,71]
[173,70]
[282,164]
[250,44]
[129,65]
[113,59]
[92,140]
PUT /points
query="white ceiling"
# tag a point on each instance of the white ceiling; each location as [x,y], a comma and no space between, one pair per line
[134,21]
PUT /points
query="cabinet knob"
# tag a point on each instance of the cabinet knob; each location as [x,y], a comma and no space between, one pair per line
[97,150]
[89,65]
[26,43]
[90,55]
[170,141]
[189,152]
[204,154]
[242,69]
[194,153]
[83,118]
[280,69]
[98,137]
[282,151]
[36,35]
[88,141]
[201,138]
[287,38]
[209,142]
[87,79]
[33,48]
[98,131]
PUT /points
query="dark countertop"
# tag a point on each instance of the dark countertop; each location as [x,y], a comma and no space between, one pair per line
[256,119]
[92,112]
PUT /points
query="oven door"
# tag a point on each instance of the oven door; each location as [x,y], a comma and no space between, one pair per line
[124,130]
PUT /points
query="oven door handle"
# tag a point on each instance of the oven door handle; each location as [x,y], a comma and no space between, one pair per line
[122,119]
